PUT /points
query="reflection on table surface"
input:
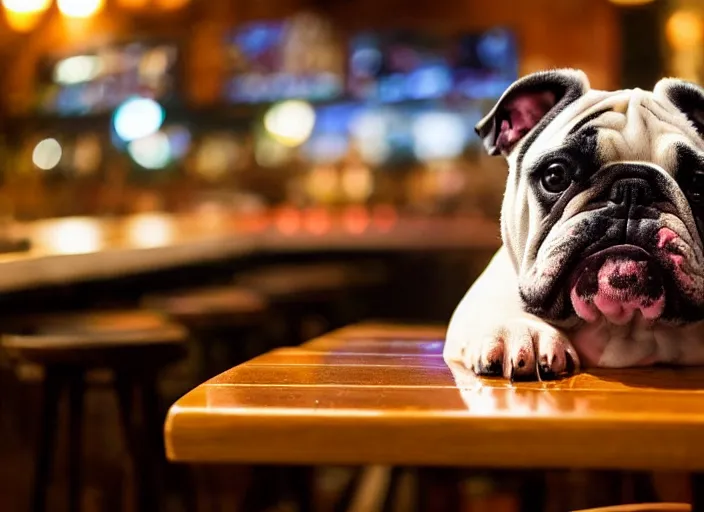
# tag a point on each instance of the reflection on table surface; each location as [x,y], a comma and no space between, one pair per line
[82,247]
[350,397]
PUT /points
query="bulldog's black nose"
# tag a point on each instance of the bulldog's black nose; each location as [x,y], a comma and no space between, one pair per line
[631,192]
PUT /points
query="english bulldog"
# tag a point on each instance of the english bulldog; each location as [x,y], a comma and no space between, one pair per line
[602,262]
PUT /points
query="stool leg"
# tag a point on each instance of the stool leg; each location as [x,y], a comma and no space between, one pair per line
[698,492]
[348,492]
[263,490]
[392,491]
[124,388]
[302,480]
[533,491]
[153,439]
[76,391]
[47,438]
[438,489]
[135,422]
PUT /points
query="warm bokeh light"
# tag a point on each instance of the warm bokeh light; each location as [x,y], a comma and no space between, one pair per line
[71,236]
[22,21]
[632,2]
[323,183]
[24,15]
[132,4]
[150,230]
[290,122]
[357,182]
[80,8]
[356,219]
[288,220]
[217,155]
[270,153]
[317,221]
[47,154]
[171,4]
[26,6]
[137,118]
[684,29]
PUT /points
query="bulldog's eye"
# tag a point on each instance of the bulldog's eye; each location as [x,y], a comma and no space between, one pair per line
[556,177]
[695,190]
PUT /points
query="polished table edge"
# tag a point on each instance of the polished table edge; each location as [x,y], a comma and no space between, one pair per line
[452,440]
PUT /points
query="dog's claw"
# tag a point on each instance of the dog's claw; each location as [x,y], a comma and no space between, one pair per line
[544,368]
[545,372]
[493,369]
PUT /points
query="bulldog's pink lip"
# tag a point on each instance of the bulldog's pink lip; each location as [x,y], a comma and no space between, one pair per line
[623,287]
[616,284]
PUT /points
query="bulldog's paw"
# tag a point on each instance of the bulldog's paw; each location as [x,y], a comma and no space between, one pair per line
[524,348]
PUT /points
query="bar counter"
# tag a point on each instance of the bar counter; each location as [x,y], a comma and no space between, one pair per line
[77,249]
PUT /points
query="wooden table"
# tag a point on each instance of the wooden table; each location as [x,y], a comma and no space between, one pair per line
[377,394]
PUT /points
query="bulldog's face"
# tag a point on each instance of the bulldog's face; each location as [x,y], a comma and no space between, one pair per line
[604,207]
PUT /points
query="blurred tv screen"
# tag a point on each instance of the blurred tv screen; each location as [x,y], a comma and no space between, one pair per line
[393,66]
[276,60]
[100,79]
[398,66]
[485,64]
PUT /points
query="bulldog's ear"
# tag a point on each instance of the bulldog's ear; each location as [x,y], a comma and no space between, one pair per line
[686,96]
[530,101]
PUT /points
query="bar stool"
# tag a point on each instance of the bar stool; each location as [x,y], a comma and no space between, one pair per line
[215,316]
[305,291]
[134,345]
[218,317]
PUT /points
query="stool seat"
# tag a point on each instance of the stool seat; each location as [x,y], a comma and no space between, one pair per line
[213,306]
[101,338]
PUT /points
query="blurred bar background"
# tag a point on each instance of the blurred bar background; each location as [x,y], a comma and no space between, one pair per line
[123,106]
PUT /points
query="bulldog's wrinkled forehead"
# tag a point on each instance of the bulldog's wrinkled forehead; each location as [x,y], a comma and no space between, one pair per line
[631,125]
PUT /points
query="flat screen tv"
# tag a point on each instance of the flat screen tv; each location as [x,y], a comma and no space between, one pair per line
[296,58]
[485,64]
[99,79]
[396,66]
